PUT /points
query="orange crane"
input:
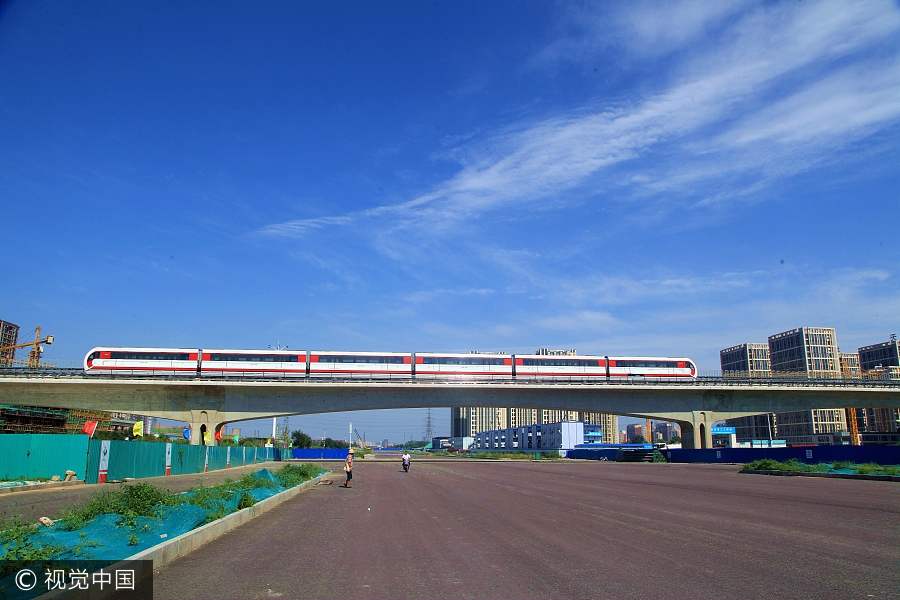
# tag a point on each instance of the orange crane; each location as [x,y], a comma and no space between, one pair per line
[34,356]
[852,426]
[360,439]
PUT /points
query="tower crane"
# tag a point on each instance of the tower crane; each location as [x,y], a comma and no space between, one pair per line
[34,355]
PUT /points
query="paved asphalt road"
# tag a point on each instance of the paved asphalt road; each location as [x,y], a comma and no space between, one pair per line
[488,529]
[29,506]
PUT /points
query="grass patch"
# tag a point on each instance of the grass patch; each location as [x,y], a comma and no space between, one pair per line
[130,502]
[293,475]
[795,466]
[498,455]
[873,469]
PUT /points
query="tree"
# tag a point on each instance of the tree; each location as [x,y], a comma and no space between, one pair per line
[330,443]
[300,439]
[637,439]
[676,439]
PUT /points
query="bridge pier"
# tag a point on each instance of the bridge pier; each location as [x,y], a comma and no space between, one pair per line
[697,433]
[204,423]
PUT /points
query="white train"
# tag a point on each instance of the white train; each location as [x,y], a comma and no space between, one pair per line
[347,365]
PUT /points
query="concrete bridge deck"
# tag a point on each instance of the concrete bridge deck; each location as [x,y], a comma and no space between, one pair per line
[209,403]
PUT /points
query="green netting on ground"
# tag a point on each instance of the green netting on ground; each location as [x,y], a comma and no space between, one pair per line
[117,536]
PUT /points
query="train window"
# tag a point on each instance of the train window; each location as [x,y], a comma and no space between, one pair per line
[94,356]
[648,364]
[149,356]
[558,362]
[253,358]
[452,360]
[379,360]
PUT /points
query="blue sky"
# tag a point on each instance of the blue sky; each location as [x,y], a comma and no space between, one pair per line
[622,178]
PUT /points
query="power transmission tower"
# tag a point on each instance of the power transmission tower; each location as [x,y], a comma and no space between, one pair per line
[429,430]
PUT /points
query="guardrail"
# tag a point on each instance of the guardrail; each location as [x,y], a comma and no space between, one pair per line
[704,380]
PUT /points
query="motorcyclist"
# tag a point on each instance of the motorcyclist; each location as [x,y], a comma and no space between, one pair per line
[406,459]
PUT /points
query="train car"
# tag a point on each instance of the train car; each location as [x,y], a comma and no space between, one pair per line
[433,365]
[253,363]
[360,364]
[549,367]
[142,361]
[649,367]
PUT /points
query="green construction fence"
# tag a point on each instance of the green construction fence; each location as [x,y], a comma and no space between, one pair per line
[42,455]
[148,459]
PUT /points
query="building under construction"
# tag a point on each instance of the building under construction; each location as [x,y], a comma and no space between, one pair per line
[743,360]
[9,336]
[882,356]
[37,419]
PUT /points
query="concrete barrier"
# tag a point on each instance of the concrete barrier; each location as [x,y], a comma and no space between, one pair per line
[44,485]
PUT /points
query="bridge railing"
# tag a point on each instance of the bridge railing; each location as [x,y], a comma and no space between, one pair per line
[705,378]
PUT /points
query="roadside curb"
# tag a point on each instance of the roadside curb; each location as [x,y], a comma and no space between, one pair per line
[893,478]
[40,486]
[185,543]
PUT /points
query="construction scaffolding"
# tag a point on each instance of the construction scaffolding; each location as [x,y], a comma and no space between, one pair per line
[9,337]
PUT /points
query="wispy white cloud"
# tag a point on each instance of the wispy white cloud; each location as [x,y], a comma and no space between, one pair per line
[789,80]
[428,295]
[301,227]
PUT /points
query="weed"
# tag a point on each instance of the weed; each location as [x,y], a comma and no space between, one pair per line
[216,513]
[131,501]
[78,550]
[876,469]
[841,464]
[291,475]
[133,540]
[246,501]
[18,544]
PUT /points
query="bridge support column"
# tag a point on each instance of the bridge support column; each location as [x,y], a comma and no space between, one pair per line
[698,433]
[203,426]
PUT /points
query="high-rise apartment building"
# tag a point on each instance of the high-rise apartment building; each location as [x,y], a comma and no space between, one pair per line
[468,421]
[883,355]
[664,430]
[811,351]
[633,430]
[751,359]
[9,336]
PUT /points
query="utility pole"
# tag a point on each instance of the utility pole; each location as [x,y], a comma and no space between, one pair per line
[350,438]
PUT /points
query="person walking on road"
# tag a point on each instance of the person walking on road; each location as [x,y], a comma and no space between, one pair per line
[406,459]
[348,468]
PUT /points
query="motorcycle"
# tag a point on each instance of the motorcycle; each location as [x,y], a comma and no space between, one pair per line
[406,466]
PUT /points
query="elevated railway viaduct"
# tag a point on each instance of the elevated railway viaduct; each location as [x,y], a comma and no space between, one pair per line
[209,403]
